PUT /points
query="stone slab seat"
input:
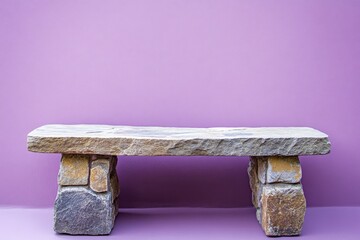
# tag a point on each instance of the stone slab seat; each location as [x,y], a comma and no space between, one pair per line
[87,198]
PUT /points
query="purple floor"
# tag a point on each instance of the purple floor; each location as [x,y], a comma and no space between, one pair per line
[184,223]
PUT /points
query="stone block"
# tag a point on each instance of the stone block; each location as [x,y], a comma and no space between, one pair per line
[278,169]
[74,170]
[78,210]
[255,185]
[100,175]
[262,168]
[253,179]
[114,186]
[283,209]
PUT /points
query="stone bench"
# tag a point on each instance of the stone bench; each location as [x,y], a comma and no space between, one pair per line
[86,201]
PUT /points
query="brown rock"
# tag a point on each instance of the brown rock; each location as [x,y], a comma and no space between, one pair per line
[116,207]
[113,164]
[99,175]
[112,159]
[74,170]
[283,209]
[114,186]
[279,169]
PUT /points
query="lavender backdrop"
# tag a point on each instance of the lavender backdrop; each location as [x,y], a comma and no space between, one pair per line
[180,63]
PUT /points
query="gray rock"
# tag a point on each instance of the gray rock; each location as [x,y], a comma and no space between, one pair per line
[255,185]
[258,215]
[158,141]
[78,210]
[261,168]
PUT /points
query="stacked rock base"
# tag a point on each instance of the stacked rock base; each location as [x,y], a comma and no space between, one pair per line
[87,198]
[277,194]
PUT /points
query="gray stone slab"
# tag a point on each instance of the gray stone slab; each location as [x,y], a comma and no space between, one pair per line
[170,141]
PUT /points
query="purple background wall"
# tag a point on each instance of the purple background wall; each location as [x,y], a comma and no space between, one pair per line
[180,63]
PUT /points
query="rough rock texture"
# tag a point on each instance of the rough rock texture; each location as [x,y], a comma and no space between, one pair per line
[87,207]
[276,169]
[283,209]
[156,141]
[114,186]
[74,170]
[254,182]
[256,186]
[280,207]
[261,164]
[99,175]
[78,210]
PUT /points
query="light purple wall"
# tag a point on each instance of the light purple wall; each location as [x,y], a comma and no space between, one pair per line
[180,63]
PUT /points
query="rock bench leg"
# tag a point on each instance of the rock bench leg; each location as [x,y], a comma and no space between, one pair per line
[86,201]
[277,194]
